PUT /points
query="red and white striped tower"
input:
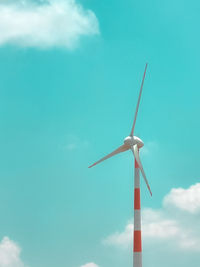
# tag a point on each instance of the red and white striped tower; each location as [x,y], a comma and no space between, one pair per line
[137,238]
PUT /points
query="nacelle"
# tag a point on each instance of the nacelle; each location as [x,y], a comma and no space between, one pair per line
[132,140]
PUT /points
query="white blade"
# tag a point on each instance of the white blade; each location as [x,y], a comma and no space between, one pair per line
[138,103]
[136,154]
[115,152]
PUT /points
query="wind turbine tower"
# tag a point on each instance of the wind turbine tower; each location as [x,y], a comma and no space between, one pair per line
[135,144]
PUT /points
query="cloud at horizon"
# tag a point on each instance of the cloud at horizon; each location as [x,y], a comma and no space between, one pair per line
[172,224]
[91,264]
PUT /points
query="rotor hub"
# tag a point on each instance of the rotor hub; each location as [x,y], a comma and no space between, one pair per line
[133,140]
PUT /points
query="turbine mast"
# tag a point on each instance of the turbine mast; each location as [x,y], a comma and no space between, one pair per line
[137,236]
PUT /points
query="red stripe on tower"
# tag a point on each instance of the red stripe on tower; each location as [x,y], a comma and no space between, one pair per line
[136,164]
[137,199]
[137,241]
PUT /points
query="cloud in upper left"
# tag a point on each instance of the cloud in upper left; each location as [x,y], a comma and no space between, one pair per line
[45,23]
[10,254]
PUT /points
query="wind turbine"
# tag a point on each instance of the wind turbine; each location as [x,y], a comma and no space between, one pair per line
[135,144]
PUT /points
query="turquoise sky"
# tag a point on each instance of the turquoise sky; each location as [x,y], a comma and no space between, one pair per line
[62,109]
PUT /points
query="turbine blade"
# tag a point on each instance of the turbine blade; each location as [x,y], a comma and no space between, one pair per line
[138,103]
[137,157]
[115,152]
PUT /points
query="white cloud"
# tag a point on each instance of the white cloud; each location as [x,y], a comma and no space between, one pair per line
[154,226]
[10,254]
[184,199]
[44,24]
[74,143]
[168,226]
[91,264]
[122,239]
[149,147]
[157,226]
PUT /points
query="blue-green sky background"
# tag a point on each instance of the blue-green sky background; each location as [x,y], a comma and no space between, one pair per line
[61,110]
